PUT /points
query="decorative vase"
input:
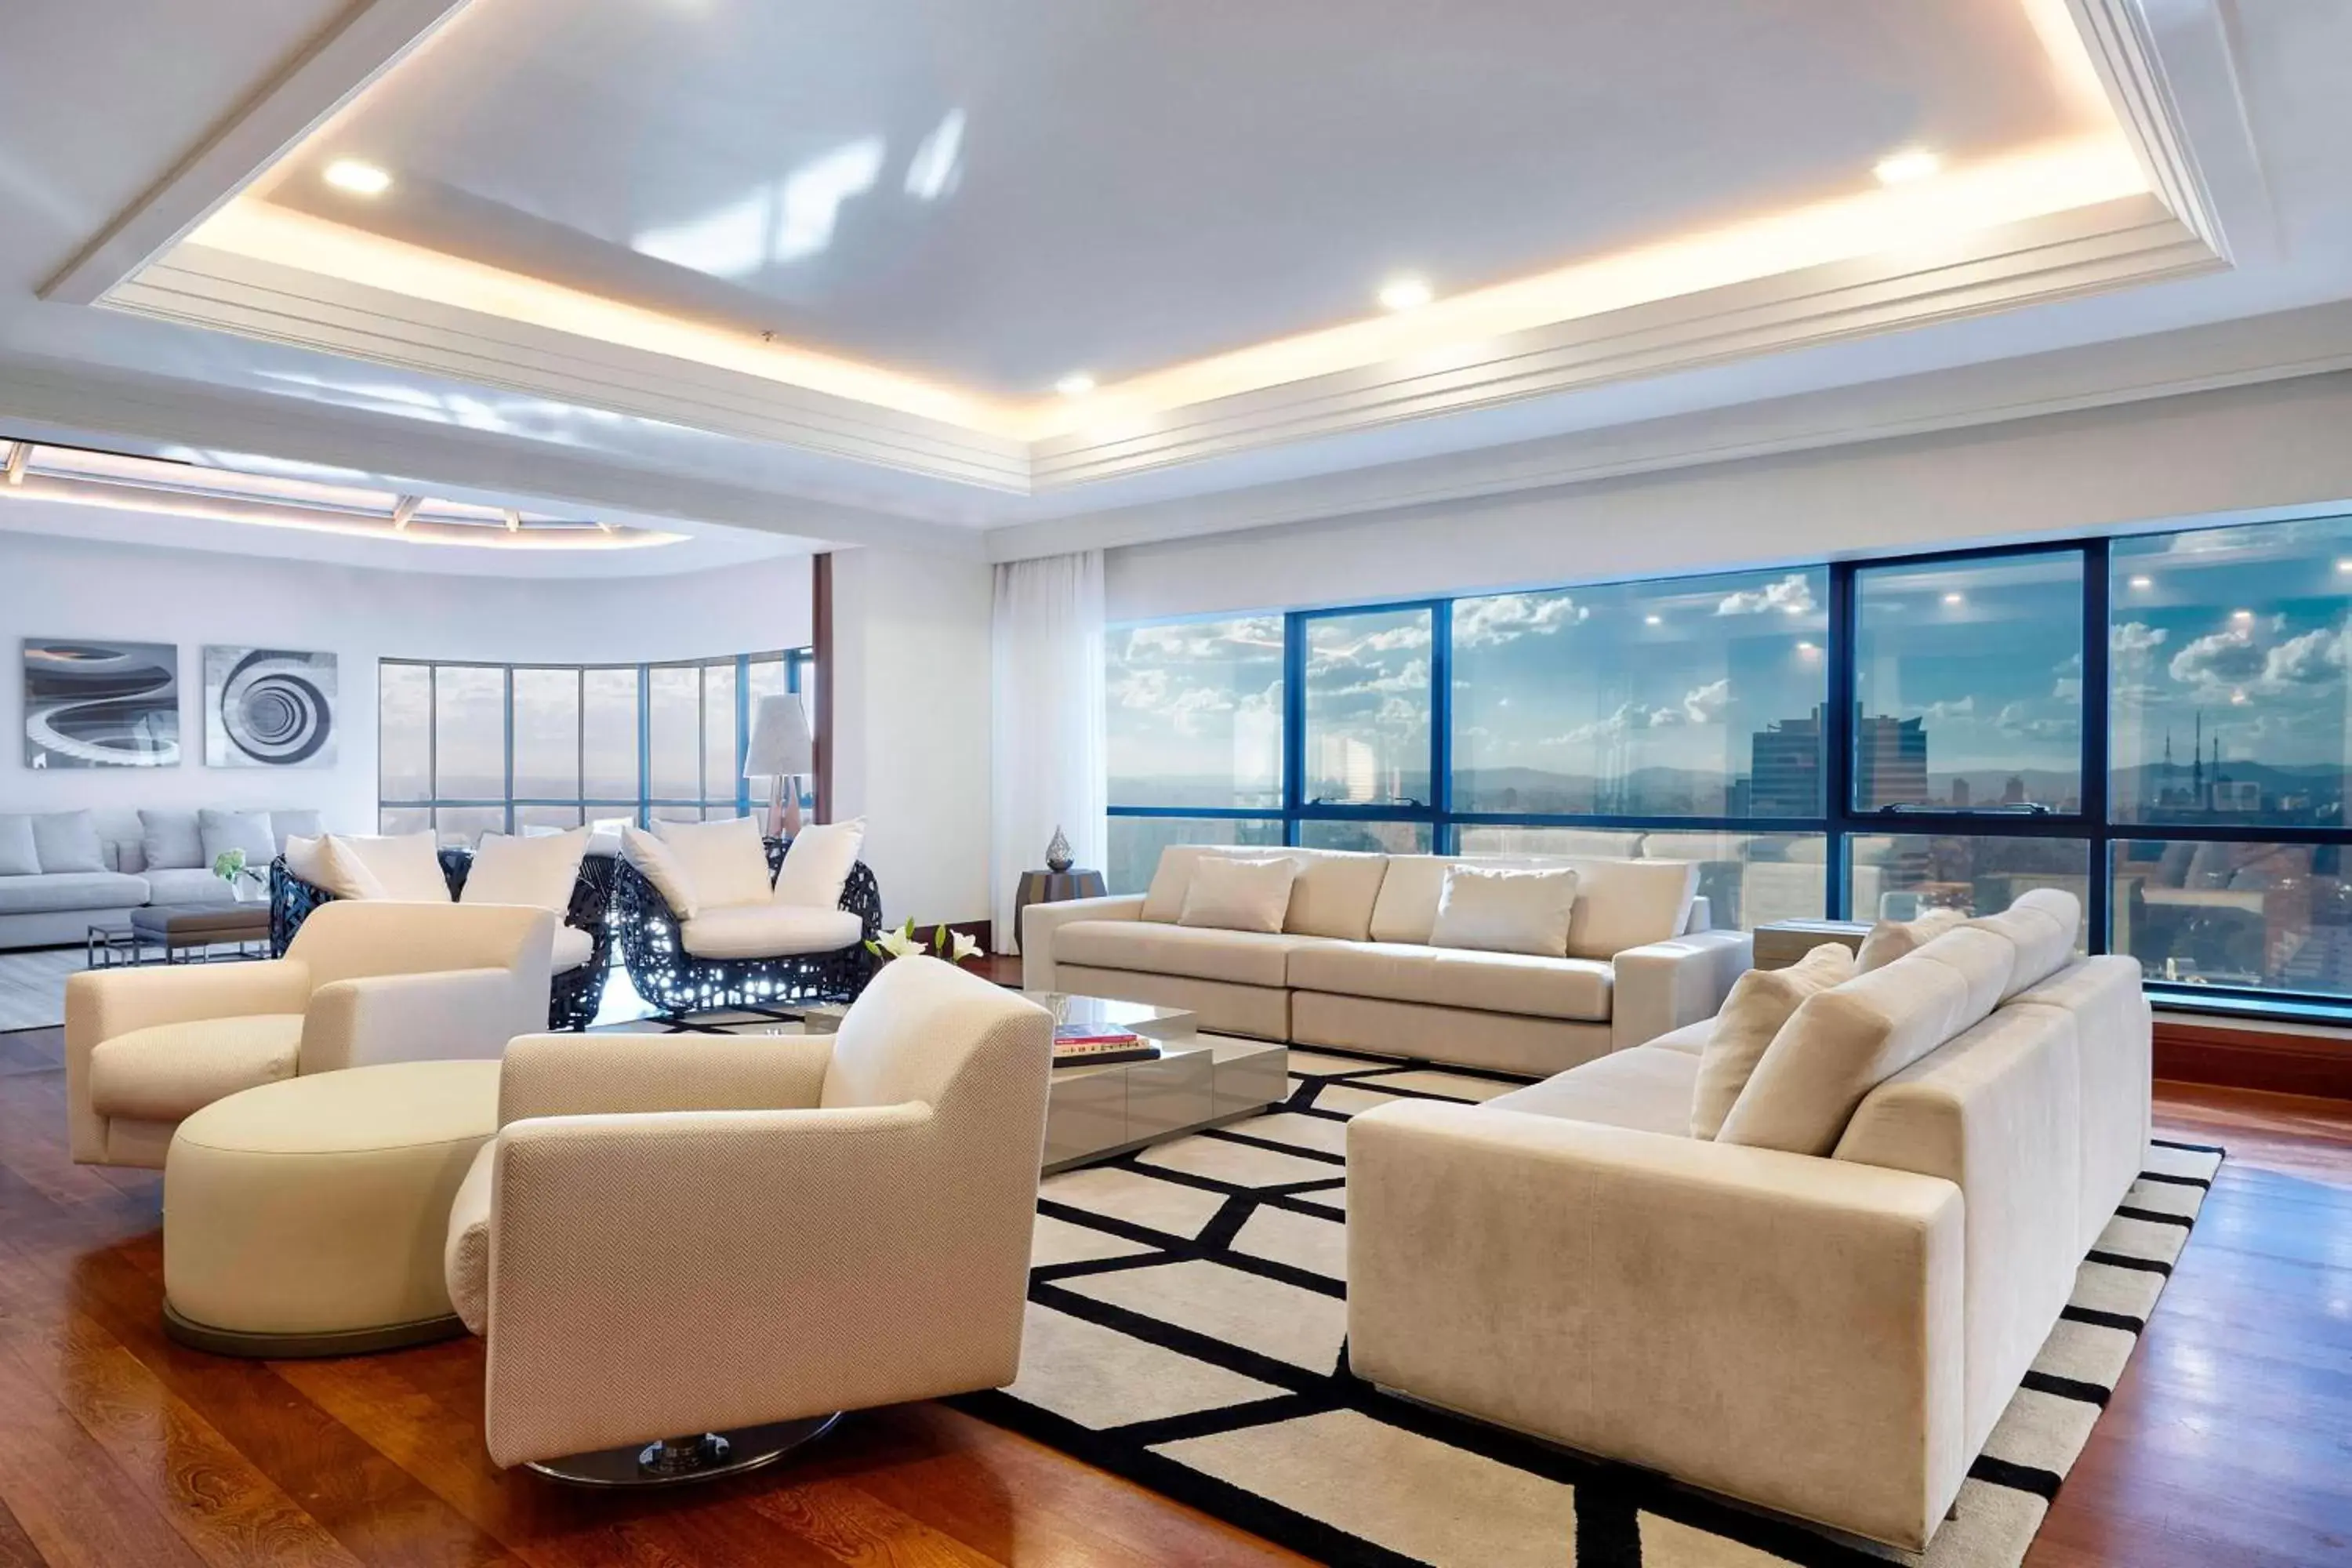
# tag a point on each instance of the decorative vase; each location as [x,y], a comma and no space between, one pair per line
[1057,853]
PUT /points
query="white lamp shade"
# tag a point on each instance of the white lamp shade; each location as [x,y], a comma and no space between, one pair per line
[780,739]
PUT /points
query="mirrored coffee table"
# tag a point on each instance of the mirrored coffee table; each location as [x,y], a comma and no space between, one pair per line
[1098,1112]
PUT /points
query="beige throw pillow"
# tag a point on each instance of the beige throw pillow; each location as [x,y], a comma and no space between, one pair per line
[1891,940]
[1762,1002]
[726,861]
[336,869]
[405,866]
[1238,895]
[538,870]
[818,864]
[1490,910]
[654,860]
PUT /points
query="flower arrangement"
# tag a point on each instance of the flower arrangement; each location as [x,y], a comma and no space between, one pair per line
[229,865]
[951,945]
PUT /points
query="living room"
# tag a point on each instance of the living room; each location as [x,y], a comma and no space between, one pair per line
[1476,787]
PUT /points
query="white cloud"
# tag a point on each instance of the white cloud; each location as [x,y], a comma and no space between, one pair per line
[2217,660]
[1792,594]
[1707,704]
[1505,617]
[2313,658]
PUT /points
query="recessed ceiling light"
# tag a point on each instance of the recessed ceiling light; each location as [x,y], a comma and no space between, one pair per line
[1951,598]
[2150,583]
[1077,383]
[2242,615]
[1404,294]
[360,179]
[1649,620]
[2344,566]
[1805,648]
[1901,168]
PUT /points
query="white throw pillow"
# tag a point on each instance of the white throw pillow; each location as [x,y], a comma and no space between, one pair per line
[537,872]
[1238,895]
[406,867]
[725,861]
[20,856]
[306,858]
[1891,940]
[818,864]
[1761,1001]
[1492,909]
[68,841]
[340,872]
[653,860]
[170,840]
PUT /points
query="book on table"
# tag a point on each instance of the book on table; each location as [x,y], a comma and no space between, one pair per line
[1087,1045]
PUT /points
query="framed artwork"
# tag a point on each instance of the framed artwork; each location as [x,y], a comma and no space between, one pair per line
[268,708]
[92,704]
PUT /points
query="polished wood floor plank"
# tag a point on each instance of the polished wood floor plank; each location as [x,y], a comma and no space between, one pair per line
[2229,1441]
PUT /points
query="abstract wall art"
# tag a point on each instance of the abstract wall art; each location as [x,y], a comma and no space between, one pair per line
[90,704]
[268,708]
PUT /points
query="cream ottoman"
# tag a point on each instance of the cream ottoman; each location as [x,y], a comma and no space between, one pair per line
[307,1217]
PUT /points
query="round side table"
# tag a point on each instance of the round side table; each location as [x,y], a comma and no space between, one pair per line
[1053,887]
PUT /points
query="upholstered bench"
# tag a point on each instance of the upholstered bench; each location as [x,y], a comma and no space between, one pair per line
[307,1217]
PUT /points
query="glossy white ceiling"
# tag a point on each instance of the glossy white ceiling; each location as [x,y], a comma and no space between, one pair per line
[995,195]
[122,124]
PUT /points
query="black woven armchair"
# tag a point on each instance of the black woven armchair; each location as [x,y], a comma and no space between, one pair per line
[676,982]
[573,994]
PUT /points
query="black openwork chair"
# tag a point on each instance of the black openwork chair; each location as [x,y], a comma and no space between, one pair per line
[674,981]
[576,991]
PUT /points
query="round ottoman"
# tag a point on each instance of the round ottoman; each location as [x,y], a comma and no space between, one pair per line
[307,1217]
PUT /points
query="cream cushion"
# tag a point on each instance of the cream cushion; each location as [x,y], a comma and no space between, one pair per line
[1619,904]
[1406,908]
[465,1255]
[539,871]
[1333,894]
[340,872]
[663,869]
[1523,983]
[725,862]
[1494,910]
[1844,1042]
[574,947]
[306,857]
[320,1205]
[164,1071]
[1647,1089]
[769,931]
[1891,940]
[817,865]
[1760,1002]
[1239,895]
[2041,924]
[1201,952]
[405,867]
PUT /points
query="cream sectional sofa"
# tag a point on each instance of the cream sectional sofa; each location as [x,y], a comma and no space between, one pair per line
[1825,1319]
[1352,967]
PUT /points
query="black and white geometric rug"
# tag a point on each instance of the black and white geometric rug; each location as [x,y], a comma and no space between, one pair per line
[1187,1330]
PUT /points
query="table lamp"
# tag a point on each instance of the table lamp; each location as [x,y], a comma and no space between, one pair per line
[781,752]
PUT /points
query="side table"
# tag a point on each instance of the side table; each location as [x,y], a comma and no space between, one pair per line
[1780,944]
[1049,888]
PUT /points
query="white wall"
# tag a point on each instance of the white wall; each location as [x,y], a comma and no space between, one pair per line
[52,587]
[910,691]
[2286,444]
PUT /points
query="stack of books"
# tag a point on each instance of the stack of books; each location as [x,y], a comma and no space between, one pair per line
[1082,1044]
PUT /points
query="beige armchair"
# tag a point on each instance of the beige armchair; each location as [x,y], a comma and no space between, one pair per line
[363,983]
[701,1235]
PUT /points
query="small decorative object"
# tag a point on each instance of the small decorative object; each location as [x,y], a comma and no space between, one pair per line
[268,708]
[1057,853]
[101,704]
[229,867]
[951,945]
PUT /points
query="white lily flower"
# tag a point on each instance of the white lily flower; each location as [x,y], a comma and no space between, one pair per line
[964,947]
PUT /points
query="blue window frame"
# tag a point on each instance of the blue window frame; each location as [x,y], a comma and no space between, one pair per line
[1952,744]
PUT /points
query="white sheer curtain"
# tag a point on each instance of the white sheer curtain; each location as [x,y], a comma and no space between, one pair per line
[1049,761]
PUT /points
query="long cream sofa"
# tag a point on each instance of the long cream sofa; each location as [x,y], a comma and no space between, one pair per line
[1352,967]
[1824,1309]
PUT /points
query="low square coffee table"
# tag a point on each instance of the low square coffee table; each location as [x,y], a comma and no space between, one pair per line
[1099,1111]
[182,929]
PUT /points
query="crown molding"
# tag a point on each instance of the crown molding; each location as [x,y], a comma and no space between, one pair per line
[369,38]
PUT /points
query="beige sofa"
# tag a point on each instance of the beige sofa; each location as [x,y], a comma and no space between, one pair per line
[1352,967]
[1825,1319]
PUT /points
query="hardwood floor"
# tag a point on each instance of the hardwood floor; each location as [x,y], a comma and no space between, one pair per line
[2228,1442]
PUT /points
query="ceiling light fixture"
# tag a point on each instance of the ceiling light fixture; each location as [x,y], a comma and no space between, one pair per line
[1951,598]
[18,456]
[1405,294]
[514,521]
[402,511]
[2345,564]
[1905,167]
[1805,647]
[2242,615]
[2150,583]
[360,179]
[1649,620]
[1077,383]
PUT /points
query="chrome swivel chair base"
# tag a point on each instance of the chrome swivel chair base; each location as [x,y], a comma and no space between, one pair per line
[673,1461]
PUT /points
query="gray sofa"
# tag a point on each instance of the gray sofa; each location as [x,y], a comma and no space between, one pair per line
[63,872]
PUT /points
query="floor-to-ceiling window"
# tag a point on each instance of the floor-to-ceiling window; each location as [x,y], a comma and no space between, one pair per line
[2159,724]
[468,749]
